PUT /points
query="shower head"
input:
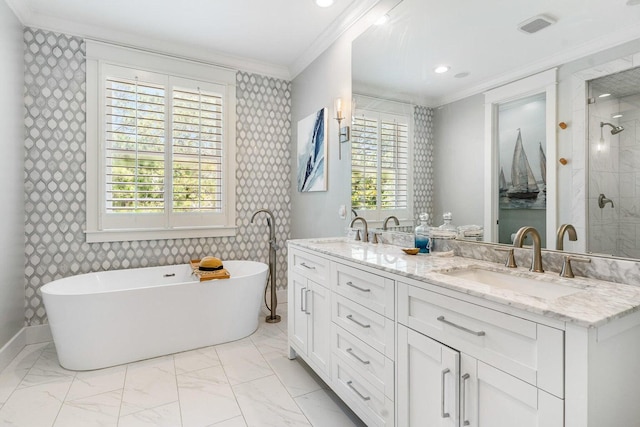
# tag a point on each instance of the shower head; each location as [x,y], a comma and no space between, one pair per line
[614,129]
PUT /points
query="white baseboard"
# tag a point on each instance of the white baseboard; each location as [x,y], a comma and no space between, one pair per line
[282,296]
[39,333]
[11,349]
[25,336]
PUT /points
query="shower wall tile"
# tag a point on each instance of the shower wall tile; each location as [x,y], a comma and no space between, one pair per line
[423,162]
[55,188]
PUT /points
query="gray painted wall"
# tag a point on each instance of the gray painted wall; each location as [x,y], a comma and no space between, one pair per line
[315,214]
[54,175]
[11,175]
[459,161]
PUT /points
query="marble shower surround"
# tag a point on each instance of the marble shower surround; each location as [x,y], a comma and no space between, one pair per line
[55,213]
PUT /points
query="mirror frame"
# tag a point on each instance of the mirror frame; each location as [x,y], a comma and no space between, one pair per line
[545,82]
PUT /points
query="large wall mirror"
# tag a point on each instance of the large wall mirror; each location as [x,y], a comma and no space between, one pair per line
[489,46]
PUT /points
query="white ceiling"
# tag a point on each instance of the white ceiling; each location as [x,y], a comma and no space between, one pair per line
[282,37]
[481,38]
[276,37]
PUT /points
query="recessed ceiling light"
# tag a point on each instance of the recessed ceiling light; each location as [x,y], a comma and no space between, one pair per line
[616,116]
[461,75]
[324,3]
[604,95]
[382,20]
[633,2]
[441,69]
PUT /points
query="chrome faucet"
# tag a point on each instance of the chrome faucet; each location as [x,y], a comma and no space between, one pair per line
[386,220]
[536,256]
[565,228]
[366,227]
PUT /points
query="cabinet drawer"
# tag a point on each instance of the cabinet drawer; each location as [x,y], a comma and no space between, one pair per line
[372,291]
[525,349]
[370,327]
[364,399]
[371,365]
[310,266]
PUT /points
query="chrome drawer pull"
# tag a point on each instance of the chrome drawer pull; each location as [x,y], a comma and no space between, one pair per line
[308,267]
[357,287]
[444,374]
[306,301]
[350,317]
[465,421]
[365,398]
[462,328]
[364,362]
[302,300]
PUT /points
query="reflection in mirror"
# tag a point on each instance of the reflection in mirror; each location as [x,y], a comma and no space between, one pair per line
[614,159]
[522,163]
[484,50]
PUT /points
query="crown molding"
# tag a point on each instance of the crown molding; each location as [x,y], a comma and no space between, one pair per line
[178,50]
[355,13]
[590,47]
[20,8]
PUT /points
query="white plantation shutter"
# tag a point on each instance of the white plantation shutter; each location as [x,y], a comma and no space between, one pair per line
[197,134]
[162,164]
[134,146]
[364,164]
[380,146]
[394,161]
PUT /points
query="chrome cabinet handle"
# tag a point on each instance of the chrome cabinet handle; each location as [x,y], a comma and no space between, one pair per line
[444,374]
[364,362]
[308,267]
[306,301]
[462,328]
[363,397]
[357,287]
[302,300]
[465,421]
[350,317]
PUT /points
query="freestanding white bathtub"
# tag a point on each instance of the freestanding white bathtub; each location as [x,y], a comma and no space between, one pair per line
[114,317]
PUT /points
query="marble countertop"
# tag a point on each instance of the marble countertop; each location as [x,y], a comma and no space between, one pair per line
[594,304]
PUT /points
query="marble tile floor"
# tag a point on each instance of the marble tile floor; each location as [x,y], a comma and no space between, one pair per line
[245,383]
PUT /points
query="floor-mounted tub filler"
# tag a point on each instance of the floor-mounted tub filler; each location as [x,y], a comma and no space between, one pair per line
[113,317]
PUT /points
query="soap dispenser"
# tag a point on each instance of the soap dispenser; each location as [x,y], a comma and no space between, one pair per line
[423,234]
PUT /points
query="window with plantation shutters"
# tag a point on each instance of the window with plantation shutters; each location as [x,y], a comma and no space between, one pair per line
[160,147]
[380,145]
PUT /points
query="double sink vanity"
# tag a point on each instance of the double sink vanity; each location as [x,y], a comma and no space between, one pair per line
[428,340]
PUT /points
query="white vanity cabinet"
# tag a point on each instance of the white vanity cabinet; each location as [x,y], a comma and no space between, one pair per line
[406,352]
[363,342]
[309,319]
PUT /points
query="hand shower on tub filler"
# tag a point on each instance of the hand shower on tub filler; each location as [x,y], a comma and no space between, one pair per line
[271,278]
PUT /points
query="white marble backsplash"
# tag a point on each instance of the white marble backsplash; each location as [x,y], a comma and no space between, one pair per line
[609,269]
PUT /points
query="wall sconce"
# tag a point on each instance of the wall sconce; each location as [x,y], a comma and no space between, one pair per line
[343,132]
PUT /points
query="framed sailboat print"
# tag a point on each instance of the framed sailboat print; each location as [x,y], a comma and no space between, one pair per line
[522,145]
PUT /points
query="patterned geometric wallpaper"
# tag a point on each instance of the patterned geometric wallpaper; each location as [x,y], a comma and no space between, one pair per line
[55,211]
[423,163]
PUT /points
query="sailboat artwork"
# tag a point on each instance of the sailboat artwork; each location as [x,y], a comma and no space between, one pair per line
[523,183]
[523,191]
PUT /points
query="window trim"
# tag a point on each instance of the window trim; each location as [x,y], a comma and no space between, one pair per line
[97,54]
[404,215]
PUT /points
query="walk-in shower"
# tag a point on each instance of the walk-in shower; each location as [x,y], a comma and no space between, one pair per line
[273,246]
[613,206]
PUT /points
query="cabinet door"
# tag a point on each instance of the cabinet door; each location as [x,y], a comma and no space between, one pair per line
[428,374]
[319,307]
[491,397]
[298,330]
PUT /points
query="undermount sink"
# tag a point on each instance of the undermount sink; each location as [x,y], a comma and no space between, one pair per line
[524,285]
